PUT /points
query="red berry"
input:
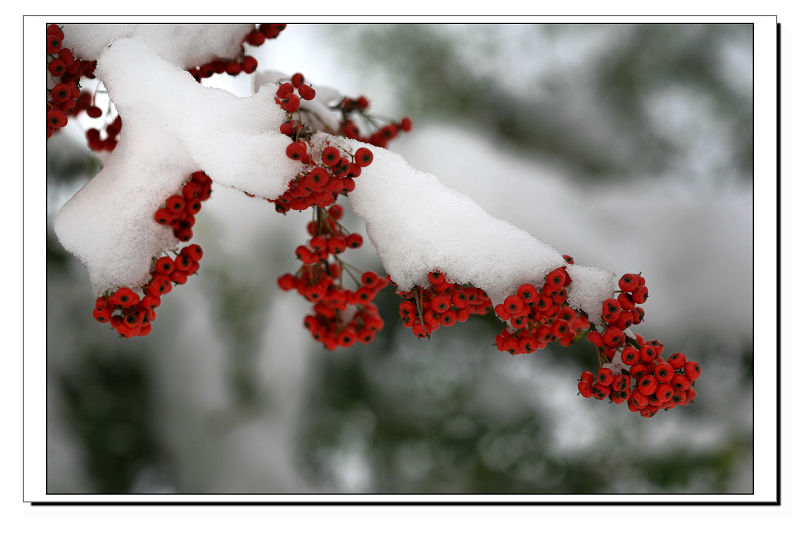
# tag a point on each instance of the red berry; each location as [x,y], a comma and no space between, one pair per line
[256,38]
[296,150]
[54,29]
[513,304]
[611,310]
[124,297]
[664,392]
[176,203]
[291,103]
[102,314]
[330,155]
[165,265]
[556,278]
[677,360]
[94,112]
[605,376]
[306,92]
[664,372]
[601,392]
[336,211]
[194,251]
[621,383]
[527,292]
[630,356]
[363,157]
[646,354]
[405,124]
[233,68]
[61,93]
[638,370]
[249,64]
[284,90]
[613,336]
[647,385]
[298,79]
[629,282]
[56,118]
[57,67]
[626,301]
[53,44]
[287,128]
[692,370]
[596,338]
[640,294]
[354,240]
[681,382]
[337,245]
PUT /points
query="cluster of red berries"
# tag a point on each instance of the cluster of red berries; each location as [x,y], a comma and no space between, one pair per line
[538,316]
[659,384]
[377,135]
[131,315]
[444,303]
[320,281]
[620,313]
[107,142]
[322,181]
[264,32]
[180,209]
[64,98]
[135,314]
[242,63]
[233,67]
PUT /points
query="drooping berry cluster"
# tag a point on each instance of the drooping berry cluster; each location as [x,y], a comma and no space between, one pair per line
[443,303]
[106,142]
[128,313]
[325,177]
[659,384]
[179,209]
[241,63]
[375,133]
[65,98]
[264,32]
[131,315]
[341,316]
[538,316]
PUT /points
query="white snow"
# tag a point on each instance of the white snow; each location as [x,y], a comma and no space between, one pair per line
[172,126]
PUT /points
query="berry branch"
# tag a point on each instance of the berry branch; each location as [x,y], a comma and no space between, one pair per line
[298,147]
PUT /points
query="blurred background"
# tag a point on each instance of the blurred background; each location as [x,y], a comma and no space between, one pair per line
[629,147]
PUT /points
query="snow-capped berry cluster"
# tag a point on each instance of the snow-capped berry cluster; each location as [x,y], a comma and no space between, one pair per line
[659,384]
[241,63]
[630,369]
[63,94]
[538,316]
[341,316]
[128,313]
[443,303]
[131,315]
[331,174]
[179,209]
